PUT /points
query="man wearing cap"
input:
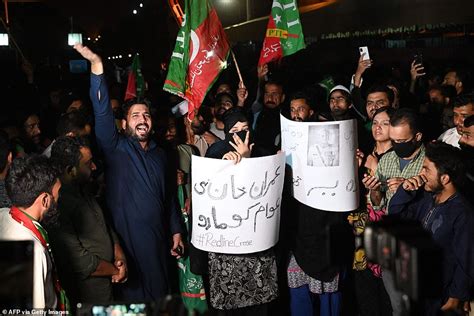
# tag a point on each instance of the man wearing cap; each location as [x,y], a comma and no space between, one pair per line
[341,106]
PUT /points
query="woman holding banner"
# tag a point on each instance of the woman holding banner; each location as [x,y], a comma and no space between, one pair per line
[240,284]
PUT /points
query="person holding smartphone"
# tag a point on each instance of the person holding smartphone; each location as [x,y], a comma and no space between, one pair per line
[416,71]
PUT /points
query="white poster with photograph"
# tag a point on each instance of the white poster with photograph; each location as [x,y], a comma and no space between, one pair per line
[236,207]
[322,157]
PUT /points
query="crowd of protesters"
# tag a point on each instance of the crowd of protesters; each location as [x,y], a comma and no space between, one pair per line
[103,190]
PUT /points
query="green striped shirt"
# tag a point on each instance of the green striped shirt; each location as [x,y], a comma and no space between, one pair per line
[389,167]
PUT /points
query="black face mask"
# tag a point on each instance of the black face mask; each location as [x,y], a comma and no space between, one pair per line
[406,149]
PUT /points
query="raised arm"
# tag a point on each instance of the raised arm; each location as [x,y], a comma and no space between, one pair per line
[416,71]
[362,66]
[105,129]
[97,67]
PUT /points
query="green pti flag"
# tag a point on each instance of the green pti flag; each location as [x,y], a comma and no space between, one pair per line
[199,55]
[136,82]
[284,34]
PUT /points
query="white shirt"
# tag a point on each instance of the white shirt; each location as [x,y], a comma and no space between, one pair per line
[47,151]
[451,137]
[44,295]
[218,132]
[201,144]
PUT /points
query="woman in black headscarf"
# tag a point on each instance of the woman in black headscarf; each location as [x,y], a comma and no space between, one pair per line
[241,284]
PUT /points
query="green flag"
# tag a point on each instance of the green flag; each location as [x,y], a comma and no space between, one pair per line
[199,55]
[284,34]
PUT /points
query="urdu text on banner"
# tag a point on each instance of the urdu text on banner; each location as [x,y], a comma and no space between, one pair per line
[236,207]
[322,157]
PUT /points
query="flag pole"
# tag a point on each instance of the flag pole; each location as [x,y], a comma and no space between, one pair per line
[237,67]
[6,11]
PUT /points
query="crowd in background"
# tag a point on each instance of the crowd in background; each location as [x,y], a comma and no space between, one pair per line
[123,208]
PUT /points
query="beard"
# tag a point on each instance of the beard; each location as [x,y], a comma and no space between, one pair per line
[36,139]
[270,105]
[51,217]
[136,132]
[436,187]
[199,128]
[336,112]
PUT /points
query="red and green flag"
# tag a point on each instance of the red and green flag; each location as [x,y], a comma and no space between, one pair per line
[199,55]
[284,34]
[136,82]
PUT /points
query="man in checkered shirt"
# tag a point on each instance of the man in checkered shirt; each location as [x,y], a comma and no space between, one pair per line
[405,161]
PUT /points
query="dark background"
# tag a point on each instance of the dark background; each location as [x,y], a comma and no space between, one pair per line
[442,30]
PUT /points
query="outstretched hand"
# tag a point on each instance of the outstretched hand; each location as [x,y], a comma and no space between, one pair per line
[262,71]
[363,64]
[416,70]
[95,60]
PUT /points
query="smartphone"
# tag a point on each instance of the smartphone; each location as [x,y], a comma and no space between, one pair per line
[74,38]
[418,58]
[3,39]
[364,50]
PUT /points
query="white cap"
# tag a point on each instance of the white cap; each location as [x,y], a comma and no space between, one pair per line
[339,87]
